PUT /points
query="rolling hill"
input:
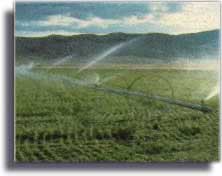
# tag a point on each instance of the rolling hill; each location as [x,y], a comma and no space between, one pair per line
[148,47]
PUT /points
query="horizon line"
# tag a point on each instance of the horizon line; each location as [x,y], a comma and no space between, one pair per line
[104,34]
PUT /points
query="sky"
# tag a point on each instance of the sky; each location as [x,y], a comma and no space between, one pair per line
[72,18]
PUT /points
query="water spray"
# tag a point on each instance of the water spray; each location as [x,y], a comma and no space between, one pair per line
[108,52]
[213,93]
[27,71]
[62,60]
[94,82]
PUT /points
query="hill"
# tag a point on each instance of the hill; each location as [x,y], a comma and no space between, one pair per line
[152,46]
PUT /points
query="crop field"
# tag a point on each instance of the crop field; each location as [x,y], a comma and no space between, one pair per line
[58,120]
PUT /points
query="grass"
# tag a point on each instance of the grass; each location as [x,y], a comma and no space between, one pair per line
[60,122]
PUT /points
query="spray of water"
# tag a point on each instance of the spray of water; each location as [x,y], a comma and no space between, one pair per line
[213,93]
[26,71]
[102,56]
[23,70]
[62,60]
[107,53]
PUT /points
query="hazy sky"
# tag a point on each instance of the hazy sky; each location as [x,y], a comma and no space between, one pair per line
[39,19]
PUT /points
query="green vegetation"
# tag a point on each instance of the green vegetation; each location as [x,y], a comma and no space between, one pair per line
[57,121]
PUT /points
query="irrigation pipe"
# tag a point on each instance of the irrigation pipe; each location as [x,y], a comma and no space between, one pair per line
[202,108]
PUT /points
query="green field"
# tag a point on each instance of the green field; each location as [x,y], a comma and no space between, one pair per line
[58,121]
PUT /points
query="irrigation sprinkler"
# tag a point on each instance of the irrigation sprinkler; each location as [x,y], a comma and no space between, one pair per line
[26,70]
[126,92]
[123,92]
